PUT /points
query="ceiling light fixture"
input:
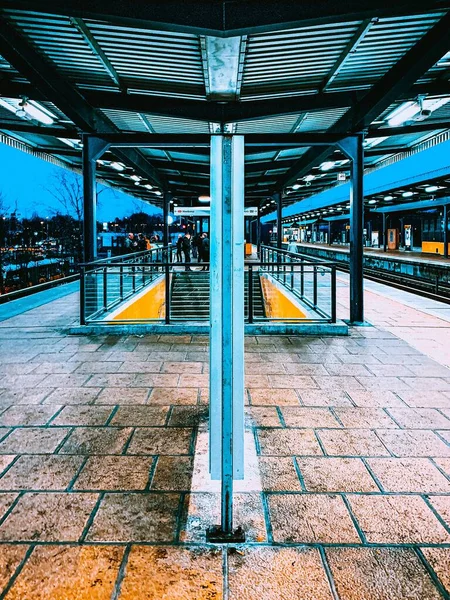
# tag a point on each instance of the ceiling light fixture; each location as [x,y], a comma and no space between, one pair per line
[33,110]
[327,165]
[431,188]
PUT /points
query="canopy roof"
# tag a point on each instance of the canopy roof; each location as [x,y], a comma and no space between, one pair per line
[181,67]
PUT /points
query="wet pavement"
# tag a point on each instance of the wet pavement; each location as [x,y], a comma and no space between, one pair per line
[104,491]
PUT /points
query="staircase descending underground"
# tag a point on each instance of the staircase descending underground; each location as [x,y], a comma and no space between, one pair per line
[190,296]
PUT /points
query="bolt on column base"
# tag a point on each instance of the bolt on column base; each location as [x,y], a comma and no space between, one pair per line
[216,535]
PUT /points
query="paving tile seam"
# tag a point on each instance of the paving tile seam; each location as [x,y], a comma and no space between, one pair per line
[432,574]
[16,573]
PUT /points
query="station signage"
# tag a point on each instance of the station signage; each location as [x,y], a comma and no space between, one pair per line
[204,211]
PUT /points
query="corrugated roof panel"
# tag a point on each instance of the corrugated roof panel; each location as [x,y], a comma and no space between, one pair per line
[384,44]
[281,124]
[320,120]
[294,60]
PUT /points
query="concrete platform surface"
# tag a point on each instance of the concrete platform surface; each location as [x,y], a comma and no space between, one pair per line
[104,492]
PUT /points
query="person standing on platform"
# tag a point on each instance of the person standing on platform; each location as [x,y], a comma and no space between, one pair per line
[180,248]
[205,251]
[186,241]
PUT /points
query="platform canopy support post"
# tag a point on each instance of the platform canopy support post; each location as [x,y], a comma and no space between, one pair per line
[354,149]
[166,208]
[277,198]
[258,231]
[93,148]
[445,230]
[384,232]
[226,425]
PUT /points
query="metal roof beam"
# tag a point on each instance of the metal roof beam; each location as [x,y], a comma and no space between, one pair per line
[97,50]
[225,18]
[400,78]
[226,112]
[41,73]
[349,49]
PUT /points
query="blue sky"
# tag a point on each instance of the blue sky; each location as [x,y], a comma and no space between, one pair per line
[25,179]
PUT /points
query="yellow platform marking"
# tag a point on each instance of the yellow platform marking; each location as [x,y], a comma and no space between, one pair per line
[149,304]
[277,303]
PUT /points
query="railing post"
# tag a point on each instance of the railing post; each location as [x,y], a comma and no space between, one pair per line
[292,276]
[167,292]
[315,286]
[133,273]
[250,293]
[333,294]
[121,283]
[82,297]
[302,277]
[105,288]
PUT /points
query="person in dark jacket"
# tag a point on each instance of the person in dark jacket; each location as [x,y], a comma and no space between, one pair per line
[180,248]
[187,250]
[205,251]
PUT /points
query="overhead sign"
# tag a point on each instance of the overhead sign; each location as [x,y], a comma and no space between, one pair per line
[204,211]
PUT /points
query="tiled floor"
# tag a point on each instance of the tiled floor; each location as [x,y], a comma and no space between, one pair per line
[103,485]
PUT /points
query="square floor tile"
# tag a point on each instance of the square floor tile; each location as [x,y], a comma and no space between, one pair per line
[425,399]
[166,396]
[154,573]
[28,415]
[413,443]
[262,416]
[143,518]
[365,418]
[270,396]
[278,474]
[397,520]
[97,440]
[288,442]
[308,417]
[119,473]
[33,440]
[161,441]
[380,573]
[353,442]
[277,573]
[48,517]
[53,572]
[370,399]
[83,415]
[336,475]
[419,418]
[41,473]
[307,518]
[320,398]
[74,395]
[140,416]
[188,416]
[173,474]
[417,475]
[122,395]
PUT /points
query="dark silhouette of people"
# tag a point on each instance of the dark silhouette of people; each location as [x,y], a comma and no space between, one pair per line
[180,248]
[205,251]
[186,241]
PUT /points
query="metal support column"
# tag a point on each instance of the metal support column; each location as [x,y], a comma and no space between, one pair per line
[93,148]
[354,149]
[166,208]
[384,232]
[258,231]
[226,425]
[277,198]
[445,230]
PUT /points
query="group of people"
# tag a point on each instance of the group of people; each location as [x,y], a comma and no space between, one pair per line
[137,242]
[199,245]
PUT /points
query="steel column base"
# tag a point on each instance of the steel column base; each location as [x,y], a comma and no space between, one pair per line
[357,323]
[216,535]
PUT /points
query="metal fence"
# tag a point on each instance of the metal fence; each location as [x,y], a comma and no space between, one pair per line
[109,286]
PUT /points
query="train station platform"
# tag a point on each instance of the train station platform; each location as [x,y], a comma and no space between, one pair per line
[415,255]
[347,492]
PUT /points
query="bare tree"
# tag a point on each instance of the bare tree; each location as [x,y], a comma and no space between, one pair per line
[67,189]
